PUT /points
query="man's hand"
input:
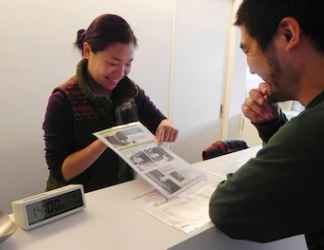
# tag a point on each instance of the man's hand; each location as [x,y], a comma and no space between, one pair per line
[166,132]
[257,107]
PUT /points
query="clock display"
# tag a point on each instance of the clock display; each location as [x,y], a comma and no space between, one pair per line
[51,207]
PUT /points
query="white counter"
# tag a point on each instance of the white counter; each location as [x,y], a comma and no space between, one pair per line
[114,219]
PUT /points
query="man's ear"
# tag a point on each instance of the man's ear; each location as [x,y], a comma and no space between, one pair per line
[289,29]
[86,50]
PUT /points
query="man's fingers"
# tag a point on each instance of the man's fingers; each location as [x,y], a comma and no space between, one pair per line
[250,114]
[257,97]
[254,106]
[265,89]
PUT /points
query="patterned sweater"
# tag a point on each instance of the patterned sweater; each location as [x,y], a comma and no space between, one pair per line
[72,118]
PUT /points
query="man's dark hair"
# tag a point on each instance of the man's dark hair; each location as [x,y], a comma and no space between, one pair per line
[262,17]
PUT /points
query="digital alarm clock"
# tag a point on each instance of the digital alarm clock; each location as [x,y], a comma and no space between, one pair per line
[40,209]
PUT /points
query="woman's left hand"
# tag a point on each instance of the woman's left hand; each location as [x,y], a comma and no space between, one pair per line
[166,132]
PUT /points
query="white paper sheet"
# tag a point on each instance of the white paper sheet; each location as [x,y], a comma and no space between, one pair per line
[187,212]
[157,164]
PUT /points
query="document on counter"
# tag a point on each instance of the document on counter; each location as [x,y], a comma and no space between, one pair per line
[187,212]
[157,164]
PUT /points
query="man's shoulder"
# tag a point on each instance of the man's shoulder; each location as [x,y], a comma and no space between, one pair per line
[310,117]
[305,129]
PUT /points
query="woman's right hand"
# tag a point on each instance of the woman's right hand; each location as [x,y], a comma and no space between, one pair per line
[79,161]
[257,107]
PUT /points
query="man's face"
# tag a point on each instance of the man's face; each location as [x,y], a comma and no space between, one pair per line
[270,66]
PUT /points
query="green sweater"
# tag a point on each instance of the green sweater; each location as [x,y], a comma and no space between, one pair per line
[278,193]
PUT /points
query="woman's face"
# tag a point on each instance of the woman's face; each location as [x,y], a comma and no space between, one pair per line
[109,66]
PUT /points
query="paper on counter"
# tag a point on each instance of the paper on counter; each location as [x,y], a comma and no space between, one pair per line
[187,212]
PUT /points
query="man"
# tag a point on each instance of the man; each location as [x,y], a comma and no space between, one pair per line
[278,193]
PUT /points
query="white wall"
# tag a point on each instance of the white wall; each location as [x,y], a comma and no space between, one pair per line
[235,76]
[237,93]
[201,35]
[37,54]
[235,126]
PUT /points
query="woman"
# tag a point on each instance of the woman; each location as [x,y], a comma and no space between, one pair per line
[99,96]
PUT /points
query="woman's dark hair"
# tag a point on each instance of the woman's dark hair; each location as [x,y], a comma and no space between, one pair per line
[261,19]
[104,31]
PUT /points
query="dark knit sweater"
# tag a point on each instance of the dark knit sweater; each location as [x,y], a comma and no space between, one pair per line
[72,118]
[278,193]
